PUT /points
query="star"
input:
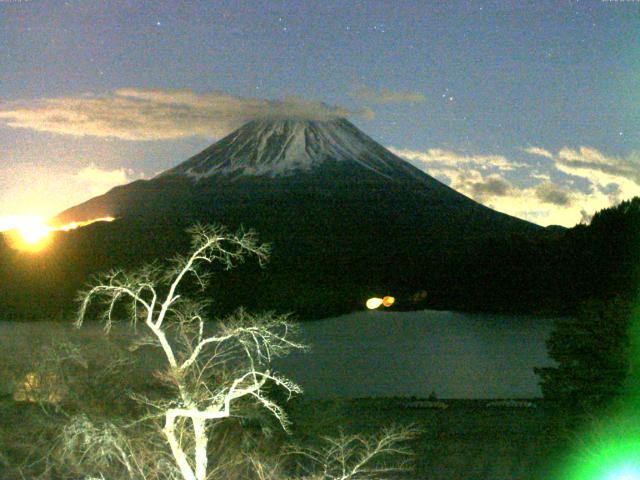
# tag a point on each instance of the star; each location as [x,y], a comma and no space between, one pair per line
[159,23]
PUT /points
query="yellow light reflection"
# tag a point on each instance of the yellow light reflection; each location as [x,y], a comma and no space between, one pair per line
[32,234]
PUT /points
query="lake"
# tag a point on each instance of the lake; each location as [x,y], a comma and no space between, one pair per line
[377,353]
[457,355]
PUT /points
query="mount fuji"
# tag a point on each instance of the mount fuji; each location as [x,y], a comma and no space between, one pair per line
[311,166]
[346,219]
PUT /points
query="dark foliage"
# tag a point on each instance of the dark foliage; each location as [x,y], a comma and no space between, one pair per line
[593,358]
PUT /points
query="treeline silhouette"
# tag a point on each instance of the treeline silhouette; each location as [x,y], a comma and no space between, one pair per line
[557,271]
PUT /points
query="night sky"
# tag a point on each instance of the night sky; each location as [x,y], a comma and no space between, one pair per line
[530,107]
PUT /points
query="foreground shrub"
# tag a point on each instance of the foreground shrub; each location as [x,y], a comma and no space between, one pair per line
[593,356]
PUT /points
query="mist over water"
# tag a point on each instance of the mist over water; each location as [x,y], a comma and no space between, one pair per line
[373,353]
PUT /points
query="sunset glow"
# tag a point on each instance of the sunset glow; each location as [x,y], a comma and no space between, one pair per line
[32,233]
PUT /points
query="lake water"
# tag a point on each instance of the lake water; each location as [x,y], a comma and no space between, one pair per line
[414,353]
[377,353]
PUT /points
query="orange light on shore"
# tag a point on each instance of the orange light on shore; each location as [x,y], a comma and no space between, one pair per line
[32,234]
[375,302]
[388,301]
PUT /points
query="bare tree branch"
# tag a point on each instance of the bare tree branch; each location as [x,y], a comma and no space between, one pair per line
[353,457]
[209,369]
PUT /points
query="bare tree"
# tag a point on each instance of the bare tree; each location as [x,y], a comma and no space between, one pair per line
[384,454]
[210,369]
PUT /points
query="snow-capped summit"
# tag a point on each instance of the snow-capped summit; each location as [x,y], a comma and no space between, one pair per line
[320,164]
[282,147]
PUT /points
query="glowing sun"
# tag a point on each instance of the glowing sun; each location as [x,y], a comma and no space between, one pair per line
[32,233]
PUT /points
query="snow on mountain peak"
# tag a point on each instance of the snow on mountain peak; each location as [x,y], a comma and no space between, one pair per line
[281,147]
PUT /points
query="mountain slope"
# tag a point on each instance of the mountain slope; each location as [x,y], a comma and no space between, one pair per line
[278,157]
[346,218]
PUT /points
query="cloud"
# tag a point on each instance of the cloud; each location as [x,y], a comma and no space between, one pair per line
[601,169]
[475,184]
[617,176]
[492,186]
[443,158]
[97,181]
[538,151]
[549,192]
[611,179]
[31,189]
[159,114]
[386,96]
[544,193]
